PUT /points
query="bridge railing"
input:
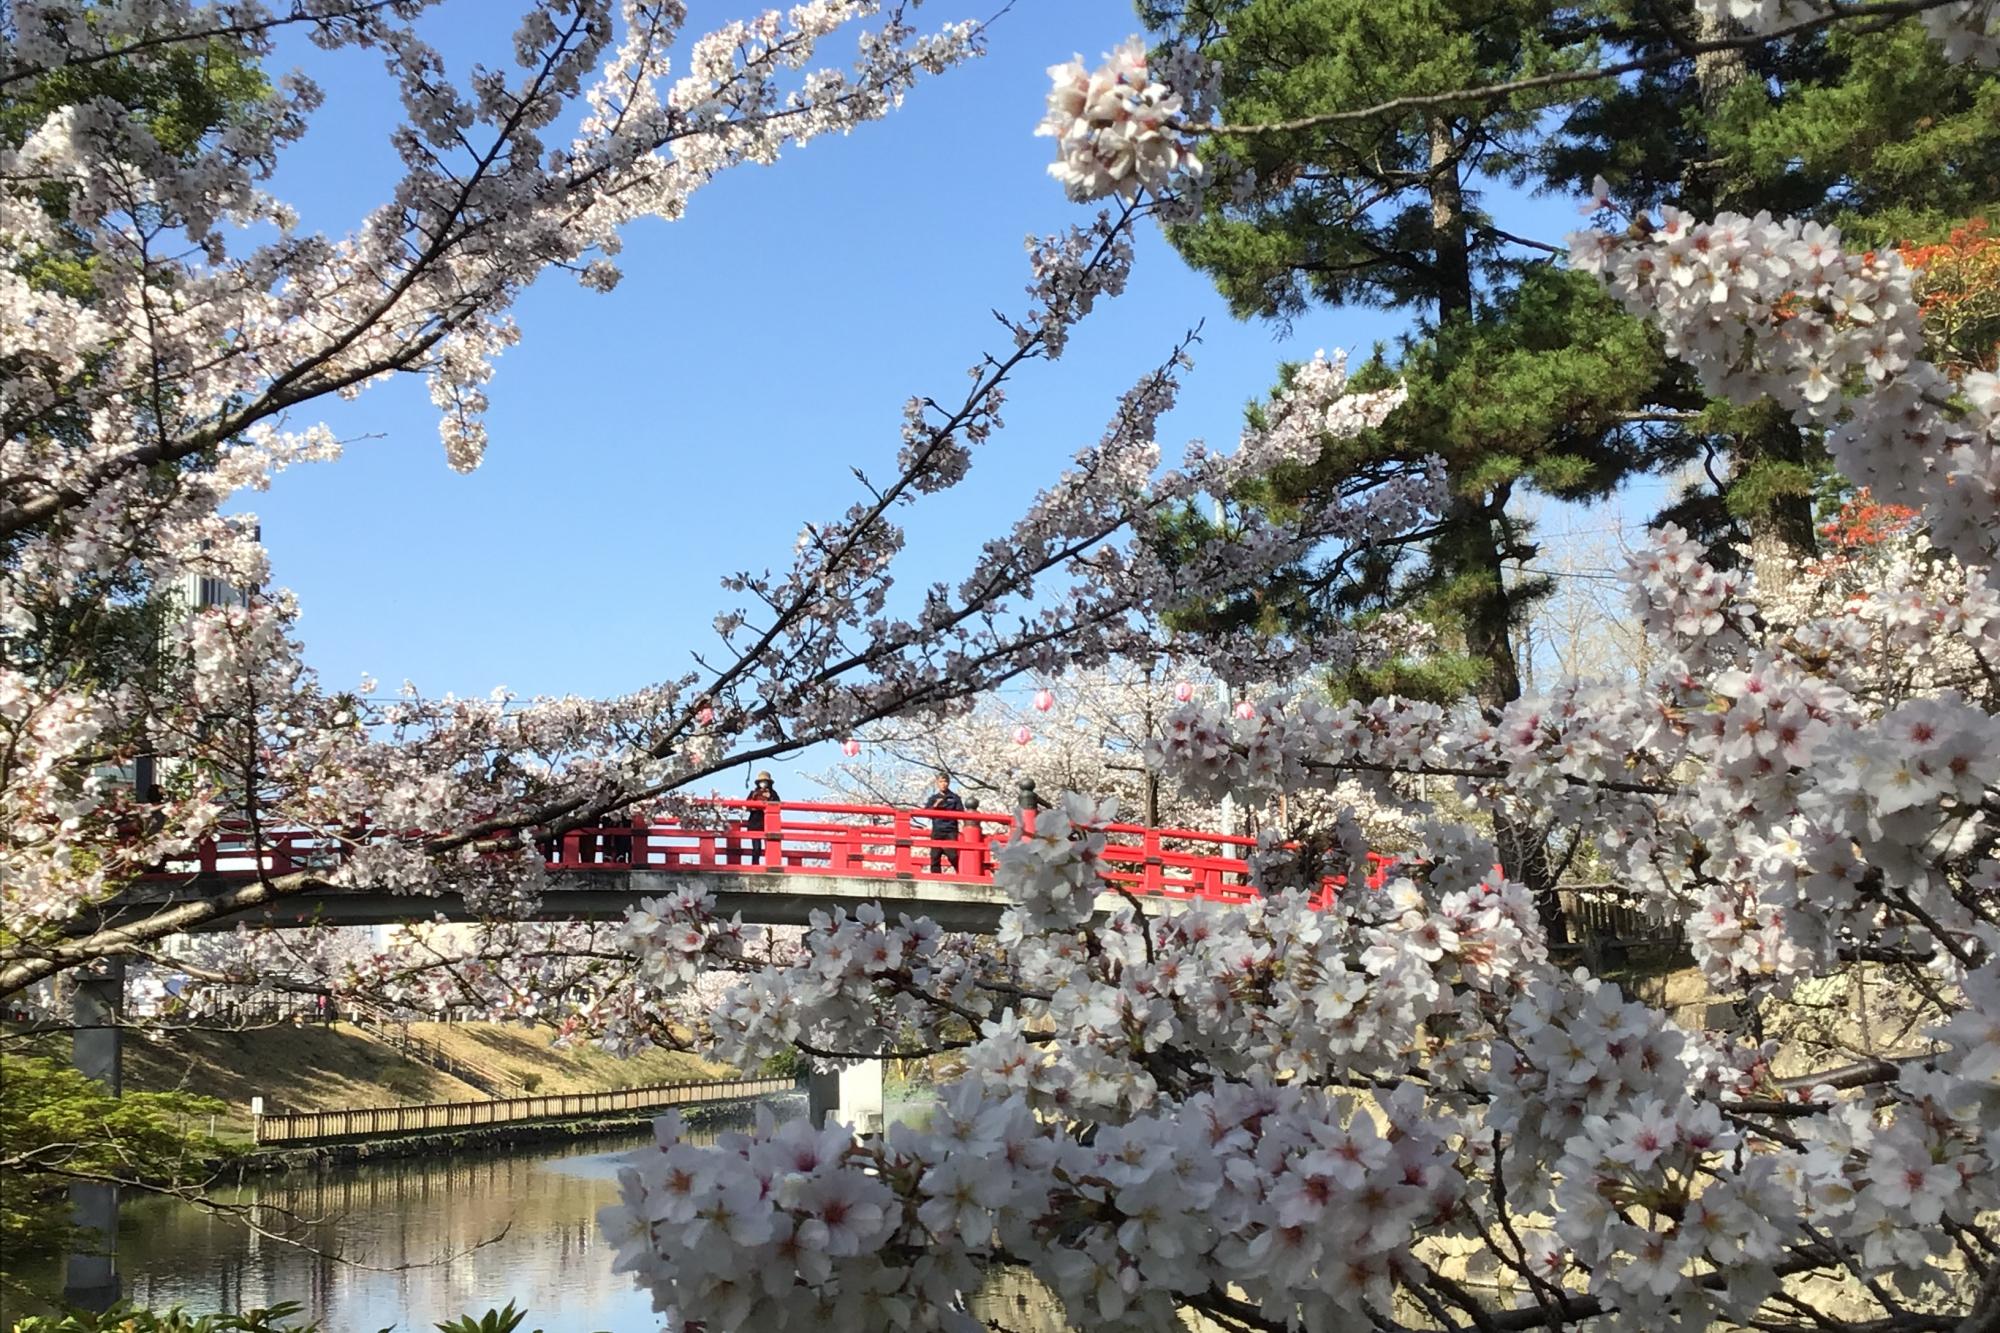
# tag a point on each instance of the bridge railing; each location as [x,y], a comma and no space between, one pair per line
[800,837]
[882,842]
[372,1121]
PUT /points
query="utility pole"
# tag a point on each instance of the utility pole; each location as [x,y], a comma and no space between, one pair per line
[1146,723]
[97,1016]
[1228,715]
[97,1005]
[1228,694]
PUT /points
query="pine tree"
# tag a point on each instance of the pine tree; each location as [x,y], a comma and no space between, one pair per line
[1519,374]
[1871,132]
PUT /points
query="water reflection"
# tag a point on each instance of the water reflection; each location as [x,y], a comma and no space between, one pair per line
[429,1240]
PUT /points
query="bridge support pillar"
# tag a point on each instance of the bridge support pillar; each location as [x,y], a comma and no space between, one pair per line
[97,1050]
[848,1096]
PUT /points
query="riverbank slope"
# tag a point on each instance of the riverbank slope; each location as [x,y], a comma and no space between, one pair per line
[317,1067]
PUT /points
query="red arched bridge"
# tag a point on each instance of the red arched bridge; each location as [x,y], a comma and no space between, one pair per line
[773,861]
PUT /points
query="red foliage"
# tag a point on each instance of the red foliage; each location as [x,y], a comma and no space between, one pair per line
[1864,522]
[1958,286]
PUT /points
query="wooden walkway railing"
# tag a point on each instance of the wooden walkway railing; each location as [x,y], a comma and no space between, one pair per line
[1601,910]
[362,1122]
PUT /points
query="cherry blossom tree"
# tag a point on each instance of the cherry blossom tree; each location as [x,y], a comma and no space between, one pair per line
[1396,1111]
[1091,737]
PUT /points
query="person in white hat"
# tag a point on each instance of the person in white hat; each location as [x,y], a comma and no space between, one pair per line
[762,792]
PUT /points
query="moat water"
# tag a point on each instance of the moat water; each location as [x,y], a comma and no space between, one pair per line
[408,1243]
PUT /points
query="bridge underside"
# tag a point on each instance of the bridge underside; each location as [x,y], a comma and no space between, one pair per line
[605,895]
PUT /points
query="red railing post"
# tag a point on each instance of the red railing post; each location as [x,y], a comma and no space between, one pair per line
[904,862]
[774,837]
[845,850]
[990,836]
[731,845]
[1152,871]
[1378,870]
[971,855]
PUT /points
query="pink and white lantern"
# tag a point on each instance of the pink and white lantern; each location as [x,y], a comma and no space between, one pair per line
[705,716]
[1246,710]
[1022,735]
[1044,700]
[850,747]
[1184,691]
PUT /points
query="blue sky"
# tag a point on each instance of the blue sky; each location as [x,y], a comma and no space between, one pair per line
[647,442]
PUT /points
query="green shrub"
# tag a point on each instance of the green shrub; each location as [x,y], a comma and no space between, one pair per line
[787,1063]
[58,1125]
[493,1321]
[123,1318]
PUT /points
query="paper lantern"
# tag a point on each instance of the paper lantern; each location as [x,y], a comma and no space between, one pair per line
[1246,710]
[1022,735]
[1044,700]
[1184,691]
[850,748]
[705,716]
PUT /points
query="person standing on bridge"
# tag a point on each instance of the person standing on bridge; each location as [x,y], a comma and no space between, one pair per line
[944,830]
[762,793]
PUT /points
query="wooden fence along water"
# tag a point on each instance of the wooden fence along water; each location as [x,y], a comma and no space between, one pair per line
[363,1122]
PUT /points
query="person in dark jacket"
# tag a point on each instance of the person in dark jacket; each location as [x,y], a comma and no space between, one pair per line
[764,792]
[944,830]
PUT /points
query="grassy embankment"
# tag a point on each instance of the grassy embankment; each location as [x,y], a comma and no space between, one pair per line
[314,1067]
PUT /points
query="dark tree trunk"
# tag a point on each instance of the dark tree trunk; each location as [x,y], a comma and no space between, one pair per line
[1782,530]
[1473,552]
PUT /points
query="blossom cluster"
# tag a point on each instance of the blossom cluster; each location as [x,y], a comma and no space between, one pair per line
[1776,308]
[1118,128]
[1301,1199]
[1967,30]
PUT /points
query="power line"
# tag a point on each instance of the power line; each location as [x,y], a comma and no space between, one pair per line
[1606,575]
